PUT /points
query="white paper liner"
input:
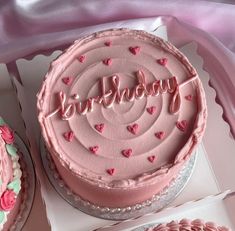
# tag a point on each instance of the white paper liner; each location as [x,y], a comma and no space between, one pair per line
[28,185]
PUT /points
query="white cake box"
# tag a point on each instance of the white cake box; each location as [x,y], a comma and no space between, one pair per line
[212,174]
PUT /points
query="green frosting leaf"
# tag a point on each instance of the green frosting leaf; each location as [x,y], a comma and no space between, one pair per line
[11,150]
[2,216]
[15,186]
[2,121]
[0,182]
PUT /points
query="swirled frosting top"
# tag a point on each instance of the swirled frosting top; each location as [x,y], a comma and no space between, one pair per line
[120,107]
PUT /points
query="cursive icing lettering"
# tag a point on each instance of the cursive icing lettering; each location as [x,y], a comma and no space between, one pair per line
[116,95]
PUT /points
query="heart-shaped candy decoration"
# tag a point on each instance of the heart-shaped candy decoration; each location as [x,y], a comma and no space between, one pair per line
[160,135]
[107,62]
[189,97]
[182,125]
[133,128]
[134,50]
[99,127]
[127,152]
[108,43]
[81,58]
[151,110]
[94,149]
[151,158]
[110,171]
[162,61]
[69,136]
[67,80]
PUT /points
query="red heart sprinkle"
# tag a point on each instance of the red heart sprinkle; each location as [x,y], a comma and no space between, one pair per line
[189,97]
[108,43]
[151,158]
[133,128]
[151,110]
[134,50]
[67,80]
[110,171]
[99,127]
[107,62]
[94,149]
[160,135]
[127,152]
[162,61]
[182,125]
[81,58]
[69,136]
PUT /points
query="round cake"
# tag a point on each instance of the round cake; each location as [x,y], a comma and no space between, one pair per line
[121,112]
[10,178]
[188,225]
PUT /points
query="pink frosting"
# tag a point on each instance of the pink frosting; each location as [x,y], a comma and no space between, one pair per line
[5,167]
[128,125]
[8,200]
[7,134]
[188,225]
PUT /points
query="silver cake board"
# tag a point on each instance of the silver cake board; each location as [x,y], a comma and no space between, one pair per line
[156,203]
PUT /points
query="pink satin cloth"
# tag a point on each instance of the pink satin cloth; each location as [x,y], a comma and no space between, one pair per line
[33,26]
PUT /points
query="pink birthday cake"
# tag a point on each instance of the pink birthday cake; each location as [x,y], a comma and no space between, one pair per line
[121,112]
[10,178]
[185,224]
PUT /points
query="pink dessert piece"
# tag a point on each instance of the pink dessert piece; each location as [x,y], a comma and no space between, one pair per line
[189,225]
[10,178]
[134,98]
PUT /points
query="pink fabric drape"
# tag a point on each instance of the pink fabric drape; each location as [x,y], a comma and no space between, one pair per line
[30,24]
[27,26]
